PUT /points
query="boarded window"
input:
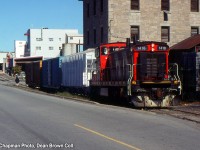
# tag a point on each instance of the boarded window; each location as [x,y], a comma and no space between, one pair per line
[165,34]
[135,32]
[194,30]
[165,5]
[194,5]
[135,4]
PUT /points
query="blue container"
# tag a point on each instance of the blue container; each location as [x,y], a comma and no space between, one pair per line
[44,73]
[51,73]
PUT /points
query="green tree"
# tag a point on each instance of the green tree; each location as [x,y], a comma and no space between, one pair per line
[16,70]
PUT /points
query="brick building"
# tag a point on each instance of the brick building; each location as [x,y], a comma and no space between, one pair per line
[169,21]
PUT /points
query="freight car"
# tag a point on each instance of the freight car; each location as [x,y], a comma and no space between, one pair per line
[139,72]
[51,76]
[77,71]
[33,73]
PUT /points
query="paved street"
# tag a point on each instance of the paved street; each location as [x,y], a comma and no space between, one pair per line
[31,120]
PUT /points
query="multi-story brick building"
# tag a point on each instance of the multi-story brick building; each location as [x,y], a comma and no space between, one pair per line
[149,20]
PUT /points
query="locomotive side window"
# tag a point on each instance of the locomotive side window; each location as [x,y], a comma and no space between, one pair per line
[104,51]
[113,49]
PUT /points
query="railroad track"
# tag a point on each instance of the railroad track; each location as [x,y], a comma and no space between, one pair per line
[186,113]
[193,110]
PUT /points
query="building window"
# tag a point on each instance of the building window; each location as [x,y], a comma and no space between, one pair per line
[194,30]
[194,5]
[50,39]
[135,4]
[102,34]
[88,9]
[71,38]
[51,48]
[60,39]
[38,47]
[94,7]
[165,16]
[165,5]
[95,36]
[135,33]
[38,39]
[101,5]
[165,34]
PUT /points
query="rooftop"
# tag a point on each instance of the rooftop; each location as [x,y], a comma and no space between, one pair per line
[187,43]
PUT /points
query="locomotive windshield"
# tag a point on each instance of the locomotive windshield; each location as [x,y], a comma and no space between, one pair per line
[104,51]
[113,49]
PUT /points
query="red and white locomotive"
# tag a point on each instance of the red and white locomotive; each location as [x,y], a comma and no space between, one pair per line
[140,72]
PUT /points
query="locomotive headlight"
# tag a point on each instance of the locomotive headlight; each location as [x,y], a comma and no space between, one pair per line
[152,47]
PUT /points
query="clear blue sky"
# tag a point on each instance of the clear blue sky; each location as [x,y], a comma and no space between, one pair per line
[17,16]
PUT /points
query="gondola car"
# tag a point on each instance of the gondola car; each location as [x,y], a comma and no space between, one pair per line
[139,72]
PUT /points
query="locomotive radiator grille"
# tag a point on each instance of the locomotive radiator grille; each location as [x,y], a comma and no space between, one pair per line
[151,66]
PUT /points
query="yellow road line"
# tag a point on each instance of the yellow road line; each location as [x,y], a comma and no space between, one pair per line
[106,137]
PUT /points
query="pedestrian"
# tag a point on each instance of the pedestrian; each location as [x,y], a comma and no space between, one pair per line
[17,80]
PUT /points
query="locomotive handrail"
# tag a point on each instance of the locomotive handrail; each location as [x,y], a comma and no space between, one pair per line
[129,79]
[175,64]
[180,86]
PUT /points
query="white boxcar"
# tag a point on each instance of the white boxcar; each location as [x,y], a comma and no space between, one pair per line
[77,69]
